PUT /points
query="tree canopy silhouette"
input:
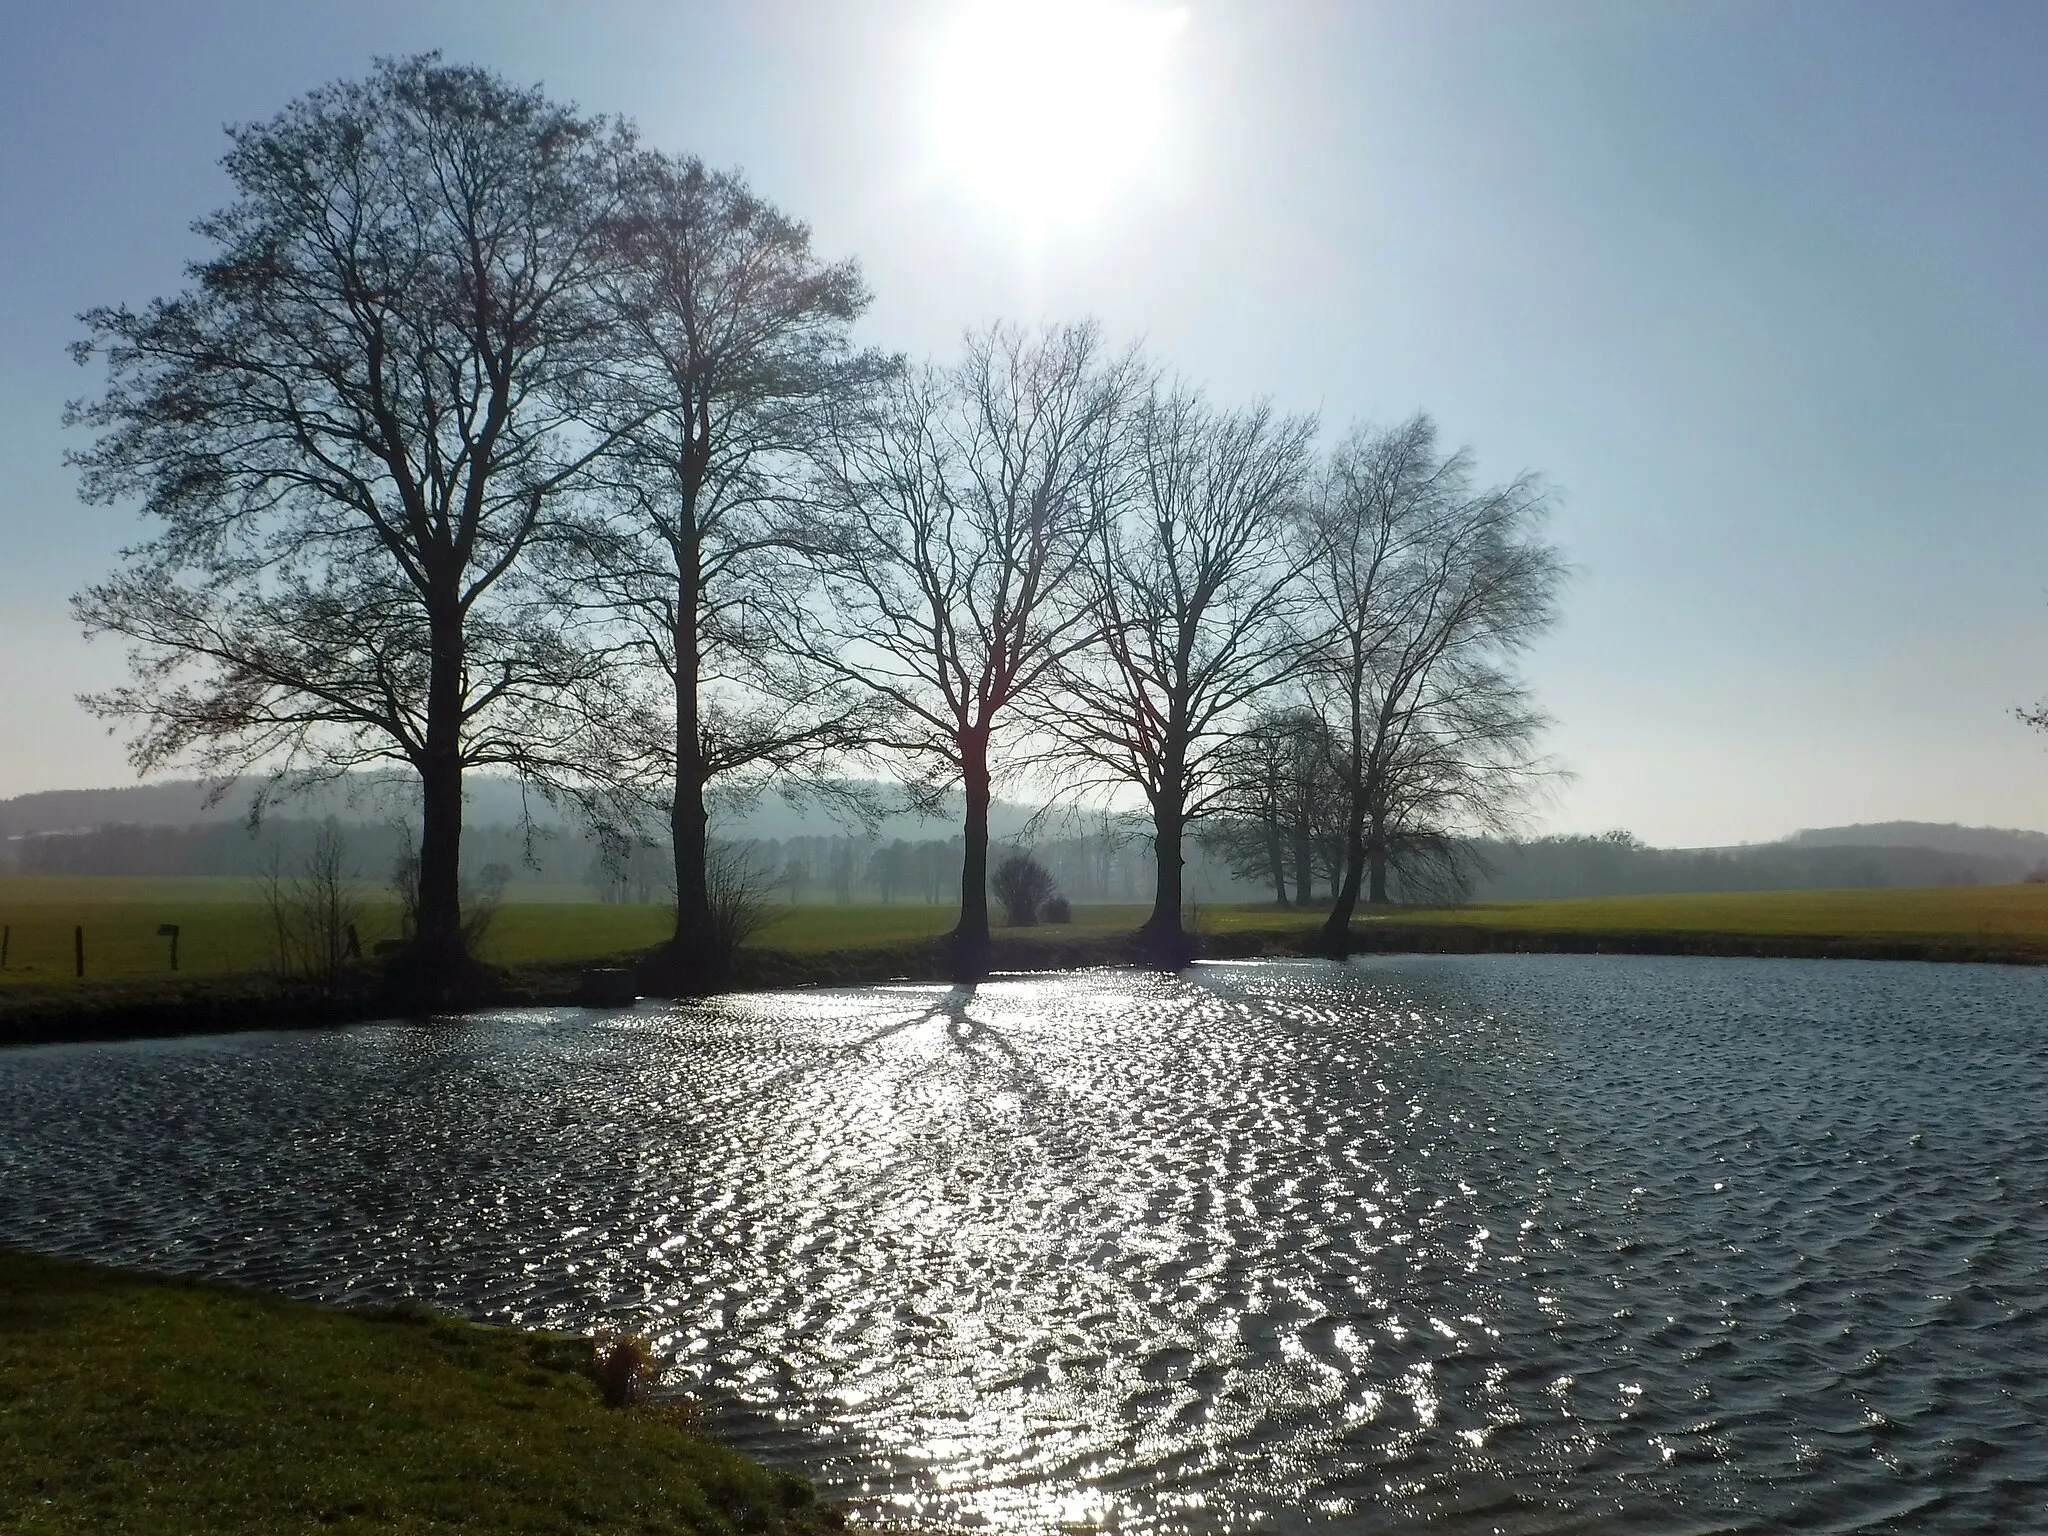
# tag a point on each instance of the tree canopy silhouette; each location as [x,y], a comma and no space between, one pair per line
[1422,591]
[958,510]
[1192,580]
[350,430]
[728,348]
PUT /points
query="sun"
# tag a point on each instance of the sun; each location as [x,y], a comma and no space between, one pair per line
[1045,109]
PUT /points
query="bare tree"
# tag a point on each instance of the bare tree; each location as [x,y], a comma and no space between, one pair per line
[351,431]
[959,509]
[1192,584]
[314,910]
[731,340]
[1460,774]
[1424,589]
[739,906]
[1278,808]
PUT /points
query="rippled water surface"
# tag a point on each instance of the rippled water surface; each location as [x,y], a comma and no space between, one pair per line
[1474,1244]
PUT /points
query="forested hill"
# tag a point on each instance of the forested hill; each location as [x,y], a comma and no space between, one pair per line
[1618,865]
[2004,843]
[185,802]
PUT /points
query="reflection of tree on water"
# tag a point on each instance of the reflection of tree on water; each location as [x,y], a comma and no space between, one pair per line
[952,1007]
[964,1030]
[961,1027]
[979,1048]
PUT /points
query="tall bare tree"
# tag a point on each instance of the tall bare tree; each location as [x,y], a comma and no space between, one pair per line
[960,507]
[731,344]
[1192,580]
[1423,589]
[350,430]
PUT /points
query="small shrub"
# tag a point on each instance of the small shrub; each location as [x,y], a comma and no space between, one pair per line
[1022,885]
[622,1365]
[1057,910]
[739,890]
[313,913]
[480,905]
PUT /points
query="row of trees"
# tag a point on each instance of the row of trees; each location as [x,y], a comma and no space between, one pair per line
[485,436]
[1114,865]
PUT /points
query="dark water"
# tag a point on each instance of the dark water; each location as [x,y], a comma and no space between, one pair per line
[1481,1244]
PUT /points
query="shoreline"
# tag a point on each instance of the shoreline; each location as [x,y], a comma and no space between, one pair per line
[132,1009]
[1391,936]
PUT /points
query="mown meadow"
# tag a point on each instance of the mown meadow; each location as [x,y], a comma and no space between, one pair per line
[225,927]
[1968,913]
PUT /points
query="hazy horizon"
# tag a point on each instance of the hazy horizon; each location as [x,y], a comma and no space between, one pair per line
[498,792]
[1756,288]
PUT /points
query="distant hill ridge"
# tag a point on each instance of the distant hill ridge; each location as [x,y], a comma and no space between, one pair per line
[2010,843]
[497,801]
[183,803]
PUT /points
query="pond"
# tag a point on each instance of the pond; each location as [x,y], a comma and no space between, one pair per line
[1490,1243]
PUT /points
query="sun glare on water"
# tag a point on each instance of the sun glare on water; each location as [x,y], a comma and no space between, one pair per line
[1045,109]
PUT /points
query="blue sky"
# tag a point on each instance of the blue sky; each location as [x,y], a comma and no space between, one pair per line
[1758,287]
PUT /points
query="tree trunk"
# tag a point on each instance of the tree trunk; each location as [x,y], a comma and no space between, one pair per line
[970,935]
[1376,857]
[1337,928]
[1276,860]
[701,961]
[438,953]
[1304,866]
[1163,927]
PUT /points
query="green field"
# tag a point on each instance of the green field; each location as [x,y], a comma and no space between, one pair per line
[150,1406]
[225,928]
[1971,913]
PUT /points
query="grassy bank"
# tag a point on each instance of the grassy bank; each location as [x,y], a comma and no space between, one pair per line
[542,949]
[135,1404]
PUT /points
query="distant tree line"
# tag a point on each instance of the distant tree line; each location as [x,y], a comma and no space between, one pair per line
[485,436]
[1095,867]
[845,868]
[1619,864]
[373,849]
[1112,865]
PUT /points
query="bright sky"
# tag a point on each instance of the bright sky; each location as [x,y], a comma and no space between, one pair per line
[1758,286]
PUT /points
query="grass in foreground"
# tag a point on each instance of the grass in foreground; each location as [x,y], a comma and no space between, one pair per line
[135,1404]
